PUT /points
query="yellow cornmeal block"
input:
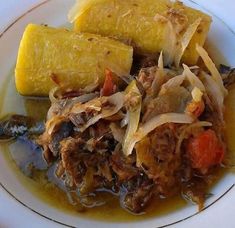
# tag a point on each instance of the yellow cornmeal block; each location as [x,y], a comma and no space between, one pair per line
[139,21]
[49,56]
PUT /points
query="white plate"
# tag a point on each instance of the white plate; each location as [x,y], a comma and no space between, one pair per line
[54,13]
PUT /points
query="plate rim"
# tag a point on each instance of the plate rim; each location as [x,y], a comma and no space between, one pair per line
[31,9]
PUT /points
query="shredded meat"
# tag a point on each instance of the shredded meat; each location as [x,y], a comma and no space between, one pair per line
[50,141]
[139,192]
[91,159]
[156,155]
[62,131]
[146,77]
[72,155]
[123,167]
[174,100]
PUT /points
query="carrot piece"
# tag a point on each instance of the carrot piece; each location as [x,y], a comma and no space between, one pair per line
[205,150]
[195,108]
[109,86]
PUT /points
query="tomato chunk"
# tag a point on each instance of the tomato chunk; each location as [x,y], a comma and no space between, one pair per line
[205,150]
[109,86]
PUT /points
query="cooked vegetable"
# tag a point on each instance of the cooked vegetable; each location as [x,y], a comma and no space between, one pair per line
[159,77]
[133,103]
[109,85]
[205,150]
[147,24]
[116,102]
[173,82]
[187,37]
[101,107]
[193,79]
[174,100]
[188,131]
[156,122]
[63,106]
[117,131]
[215,93]
[195,108]
[50,57]
[212,68]
[197,94]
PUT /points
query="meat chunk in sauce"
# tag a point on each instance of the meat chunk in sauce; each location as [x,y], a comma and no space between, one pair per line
[159,166]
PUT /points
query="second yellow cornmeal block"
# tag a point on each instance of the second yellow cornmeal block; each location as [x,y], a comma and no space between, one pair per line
[142,22]
[49,56]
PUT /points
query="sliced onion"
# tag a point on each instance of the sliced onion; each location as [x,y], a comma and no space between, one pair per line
[125,120]
[81,99]
[212,68]
[91,87]
[170,46]
[214,92]
[197,94]
[194,67]
[162,119]
[161,65]
[62,107]
[52,93]
[187,36]
[173,82]
[159,76]
[117,100]
[134,117]
[118,132]
[170,40]
[55,109]
[50,124]
[156,122]
[189,129]
[193,79]
[126,78]
[84,98]
[94,104]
